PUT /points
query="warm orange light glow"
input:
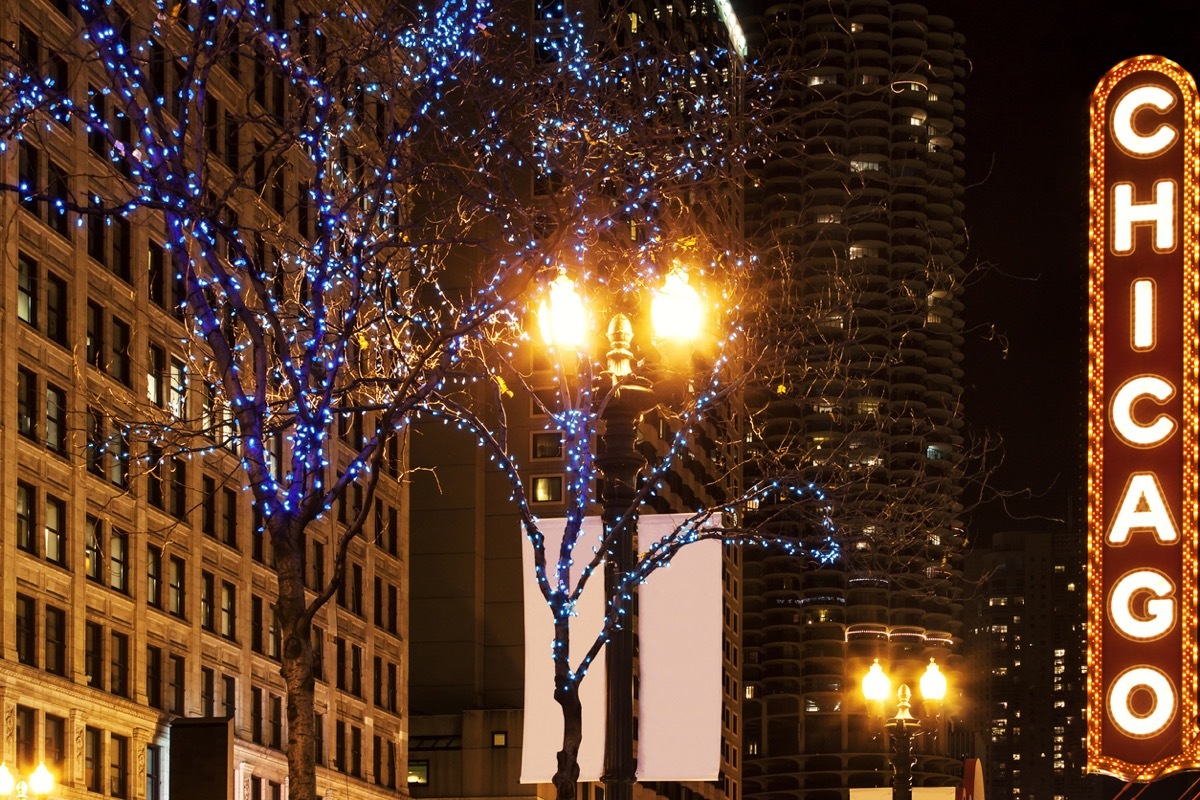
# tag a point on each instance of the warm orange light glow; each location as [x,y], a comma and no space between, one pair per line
[41,782]
[676,310]
[933,683]
[561,316]
[876,685]
[7,782]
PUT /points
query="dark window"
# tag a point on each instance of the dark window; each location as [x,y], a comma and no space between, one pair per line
[256,715]
[118,467]
[56,641]
[256,628]
[96,443]
[208,692]
[231,516]
[176,683]
[207,602]
[153,772]
[120,362]
[26,630]
[230,695]
[118,660]
[154,576]
[318,648]
[356,667]
[178,488]
[339,646]
[92,774]
[28,167]
[273,635]
[155,469]
[377,597]
[392,689]
[56,419]
[95,336]
[55,531]
[356,741]
[93,654]
[118,561]
[377,680]
[208,506]
[276,720]
[57,306]
[55,743]
[339,744]
[319,735]
[177,586]
[154,676]
[318,565]
[58,188]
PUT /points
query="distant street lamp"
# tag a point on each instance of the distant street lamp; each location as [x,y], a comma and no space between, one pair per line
[676,316]
[901,728]
[40,783]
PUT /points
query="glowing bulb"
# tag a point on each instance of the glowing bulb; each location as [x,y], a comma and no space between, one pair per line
[933,683]
[7,784]
[41,781]
[561,317]
[675,310]
[876,685]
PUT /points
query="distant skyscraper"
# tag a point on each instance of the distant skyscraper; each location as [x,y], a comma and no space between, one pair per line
[858,219]
[1026,651]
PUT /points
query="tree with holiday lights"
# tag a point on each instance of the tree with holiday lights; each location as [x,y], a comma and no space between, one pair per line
[350,227]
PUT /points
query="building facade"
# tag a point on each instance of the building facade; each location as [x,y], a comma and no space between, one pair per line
[1027,650]
[136,587]
[858,219]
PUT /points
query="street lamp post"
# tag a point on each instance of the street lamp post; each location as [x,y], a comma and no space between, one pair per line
[902,727]
[675,315]
[40,783]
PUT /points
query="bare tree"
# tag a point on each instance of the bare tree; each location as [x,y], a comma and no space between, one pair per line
[350,225]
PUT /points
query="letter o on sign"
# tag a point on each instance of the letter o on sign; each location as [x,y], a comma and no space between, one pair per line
[1162,709]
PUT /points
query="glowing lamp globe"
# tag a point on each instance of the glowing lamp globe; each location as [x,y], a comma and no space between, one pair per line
[7,783]
[676,311]
[876,685]
[933,683]
[41,782]
[561,316]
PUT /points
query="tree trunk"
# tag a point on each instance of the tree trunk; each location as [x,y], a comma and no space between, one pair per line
[296,667]
[567,776]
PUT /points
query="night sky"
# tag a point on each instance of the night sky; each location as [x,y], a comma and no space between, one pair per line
[1033,67]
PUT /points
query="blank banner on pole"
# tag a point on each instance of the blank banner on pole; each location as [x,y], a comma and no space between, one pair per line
[543,716]
[679,645]
[679,656]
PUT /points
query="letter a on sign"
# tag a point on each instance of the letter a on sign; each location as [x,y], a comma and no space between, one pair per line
[1143,470]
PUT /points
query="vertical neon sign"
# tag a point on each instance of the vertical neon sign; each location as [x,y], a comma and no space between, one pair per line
[1142,422]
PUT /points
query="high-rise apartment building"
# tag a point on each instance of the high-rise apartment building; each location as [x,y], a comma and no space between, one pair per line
[136,588]
[1027,651]
[858,218]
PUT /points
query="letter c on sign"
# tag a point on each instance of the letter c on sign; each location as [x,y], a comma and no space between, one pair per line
[1129,429]
[1130,103]
[1162,710]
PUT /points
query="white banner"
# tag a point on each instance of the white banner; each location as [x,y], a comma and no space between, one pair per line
[679,645]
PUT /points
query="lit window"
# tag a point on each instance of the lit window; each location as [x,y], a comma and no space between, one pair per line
[499,738]
[418,772]
[548,489]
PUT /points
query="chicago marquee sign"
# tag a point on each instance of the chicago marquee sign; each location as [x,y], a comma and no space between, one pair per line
[1142,422]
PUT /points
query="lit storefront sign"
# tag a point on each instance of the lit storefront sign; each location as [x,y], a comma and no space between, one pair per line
[1142,422]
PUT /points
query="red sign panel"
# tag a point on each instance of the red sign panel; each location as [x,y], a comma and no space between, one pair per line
[1142,422]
